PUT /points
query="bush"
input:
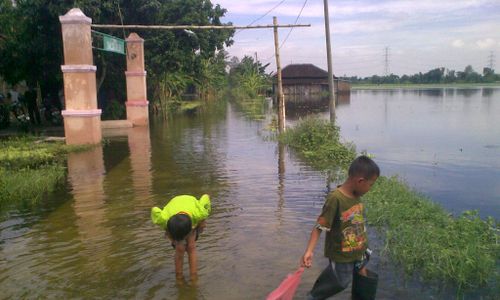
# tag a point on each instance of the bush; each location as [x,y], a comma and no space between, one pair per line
[319,142]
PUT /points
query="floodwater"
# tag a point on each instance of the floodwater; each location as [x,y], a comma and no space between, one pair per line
[94,238]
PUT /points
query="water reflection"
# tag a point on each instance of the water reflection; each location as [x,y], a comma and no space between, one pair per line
[302,106]
[429,138]
[281,181]
[100,241]
[86,175]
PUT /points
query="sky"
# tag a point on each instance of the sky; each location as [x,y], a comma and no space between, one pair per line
[419,35]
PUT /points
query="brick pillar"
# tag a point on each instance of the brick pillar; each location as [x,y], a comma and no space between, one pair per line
[82,119]
[137,99]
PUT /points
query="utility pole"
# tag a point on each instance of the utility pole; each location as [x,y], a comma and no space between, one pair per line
[280,97]
[331,86]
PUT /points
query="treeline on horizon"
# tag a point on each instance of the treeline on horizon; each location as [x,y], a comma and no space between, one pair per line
[437,75]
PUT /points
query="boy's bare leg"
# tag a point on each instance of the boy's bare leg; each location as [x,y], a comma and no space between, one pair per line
[180,248]
[191,250]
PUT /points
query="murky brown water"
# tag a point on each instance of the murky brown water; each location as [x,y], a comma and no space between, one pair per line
[95,239]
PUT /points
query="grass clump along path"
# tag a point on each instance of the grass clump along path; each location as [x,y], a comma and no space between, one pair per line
[422,236]
[31,168]
[419,235]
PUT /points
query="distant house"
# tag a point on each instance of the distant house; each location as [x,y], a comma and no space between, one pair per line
[308,80]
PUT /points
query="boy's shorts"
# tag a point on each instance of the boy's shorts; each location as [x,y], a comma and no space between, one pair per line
[197,232]
[335,278]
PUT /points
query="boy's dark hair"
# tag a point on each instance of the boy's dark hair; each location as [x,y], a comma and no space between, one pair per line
[179,226]
[364,166]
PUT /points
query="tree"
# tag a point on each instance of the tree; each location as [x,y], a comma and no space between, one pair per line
[31,46]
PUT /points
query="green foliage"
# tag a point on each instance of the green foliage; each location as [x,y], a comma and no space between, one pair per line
[4,116]
[319,142]
[423,238]
[29,168]
[247,78]
[28,186]
[114,111]
[168,91]
[31,46]
[437,75]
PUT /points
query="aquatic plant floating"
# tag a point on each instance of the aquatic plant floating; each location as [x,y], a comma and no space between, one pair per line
[286,289]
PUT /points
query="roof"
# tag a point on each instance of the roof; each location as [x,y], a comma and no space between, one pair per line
[296,71]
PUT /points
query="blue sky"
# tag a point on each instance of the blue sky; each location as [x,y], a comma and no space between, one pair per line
[420,34]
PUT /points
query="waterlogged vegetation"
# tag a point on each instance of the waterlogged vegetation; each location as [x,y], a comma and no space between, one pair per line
[422,236]
[31,168]
[248,85]
[419,235]
[318,141]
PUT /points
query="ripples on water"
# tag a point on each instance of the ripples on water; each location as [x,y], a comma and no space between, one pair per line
[95,239]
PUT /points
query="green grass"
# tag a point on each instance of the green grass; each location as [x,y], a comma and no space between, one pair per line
[29,186]
[369,86]
[31,168]
[423,237]
[318,141]
[419,235]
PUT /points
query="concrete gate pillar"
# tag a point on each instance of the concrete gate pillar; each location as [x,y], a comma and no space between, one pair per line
[137,99]
[82,118]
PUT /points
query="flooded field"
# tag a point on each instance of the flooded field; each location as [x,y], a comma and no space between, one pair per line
[94,238]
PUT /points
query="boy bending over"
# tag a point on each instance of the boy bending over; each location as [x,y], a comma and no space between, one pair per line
[183,219]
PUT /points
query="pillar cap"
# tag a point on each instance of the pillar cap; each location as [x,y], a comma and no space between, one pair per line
[75,16]
[134,38]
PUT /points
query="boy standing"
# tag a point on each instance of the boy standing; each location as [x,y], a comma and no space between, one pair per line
[183,219]
[346,240]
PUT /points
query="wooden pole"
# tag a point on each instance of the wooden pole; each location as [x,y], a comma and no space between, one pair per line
[331,86]
[280,97]
[196,26]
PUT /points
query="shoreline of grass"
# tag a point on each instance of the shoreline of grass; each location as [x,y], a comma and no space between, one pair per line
[31,168]
[417,86]
[418,234]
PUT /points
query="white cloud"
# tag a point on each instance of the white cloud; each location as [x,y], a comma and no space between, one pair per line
[485,43]
[349,8]
[458,43]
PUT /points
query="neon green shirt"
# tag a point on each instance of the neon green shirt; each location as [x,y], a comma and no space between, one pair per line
[198,210]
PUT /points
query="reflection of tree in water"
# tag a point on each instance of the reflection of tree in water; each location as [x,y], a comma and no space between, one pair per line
[187,155]
[467,92]
[431,92]
[281,181]
[487,92]
[254,109]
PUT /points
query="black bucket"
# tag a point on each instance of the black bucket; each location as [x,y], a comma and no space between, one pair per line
[364,287]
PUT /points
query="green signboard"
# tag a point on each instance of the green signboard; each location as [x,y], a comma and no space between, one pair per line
[109,43]
[113,44]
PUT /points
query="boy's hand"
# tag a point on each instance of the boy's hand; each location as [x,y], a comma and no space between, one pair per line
[306,260]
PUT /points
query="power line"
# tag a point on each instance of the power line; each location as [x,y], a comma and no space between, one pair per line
[259,18]
[296,20]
